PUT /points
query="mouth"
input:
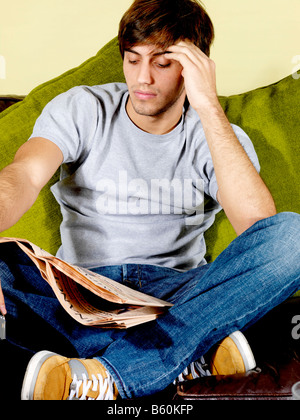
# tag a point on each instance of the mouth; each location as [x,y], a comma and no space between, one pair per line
[144,95]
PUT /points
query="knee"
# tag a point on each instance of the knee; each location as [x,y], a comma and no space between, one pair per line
[288,221]
[288,234]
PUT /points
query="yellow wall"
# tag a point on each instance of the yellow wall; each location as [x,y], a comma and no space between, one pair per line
[257,41]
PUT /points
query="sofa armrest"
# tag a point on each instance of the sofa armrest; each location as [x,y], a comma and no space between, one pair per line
[7,101]
[268,383]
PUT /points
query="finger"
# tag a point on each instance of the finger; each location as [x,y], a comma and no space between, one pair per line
[180,57]
[192,64]
[2,303]
[180,50]
[189,48]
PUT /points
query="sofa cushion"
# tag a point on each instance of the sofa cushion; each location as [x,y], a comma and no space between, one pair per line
[269,115]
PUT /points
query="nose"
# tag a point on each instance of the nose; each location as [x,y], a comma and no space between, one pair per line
[145,76]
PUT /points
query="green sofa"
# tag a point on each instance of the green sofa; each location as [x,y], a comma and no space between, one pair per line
[270,116]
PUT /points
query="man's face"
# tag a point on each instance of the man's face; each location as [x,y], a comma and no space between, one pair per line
[155,83]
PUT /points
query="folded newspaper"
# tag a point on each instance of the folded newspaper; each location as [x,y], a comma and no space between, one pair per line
[90,298]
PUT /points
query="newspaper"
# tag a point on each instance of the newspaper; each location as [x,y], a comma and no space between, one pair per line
[90,298]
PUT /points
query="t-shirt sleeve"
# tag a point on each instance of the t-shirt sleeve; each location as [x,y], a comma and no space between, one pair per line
[208,173]
[67,121]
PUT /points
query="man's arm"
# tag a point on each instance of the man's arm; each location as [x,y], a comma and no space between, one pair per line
[242,193]
[21,182]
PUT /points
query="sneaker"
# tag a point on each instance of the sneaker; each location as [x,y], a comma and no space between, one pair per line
[50,376]
[194,370]
[232,355]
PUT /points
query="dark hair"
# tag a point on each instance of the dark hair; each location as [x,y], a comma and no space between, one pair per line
[165,22]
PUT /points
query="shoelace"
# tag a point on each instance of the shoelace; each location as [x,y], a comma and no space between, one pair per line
[104,386]
[196,369]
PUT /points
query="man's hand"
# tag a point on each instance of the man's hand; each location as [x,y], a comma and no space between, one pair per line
[199,73]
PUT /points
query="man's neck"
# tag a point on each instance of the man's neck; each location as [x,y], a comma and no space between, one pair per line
[160,124]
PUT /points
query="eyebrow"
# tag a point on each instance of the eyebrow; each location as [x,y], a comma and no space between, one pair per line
[154,55]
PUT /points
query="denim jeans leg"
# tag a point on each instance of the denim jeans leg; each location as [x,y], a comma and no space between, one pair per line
[258,271]
[35,319]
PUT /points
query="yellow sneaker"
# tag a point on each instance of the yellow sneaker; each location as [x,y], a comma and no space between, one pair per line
[232,355]
[50,376]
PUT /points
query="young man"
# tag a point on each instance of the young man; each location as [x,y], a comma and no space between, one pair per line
[138,160]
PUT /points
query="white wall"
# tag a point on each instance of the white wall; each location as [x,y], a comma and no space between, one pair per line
[255,44]
[256,41]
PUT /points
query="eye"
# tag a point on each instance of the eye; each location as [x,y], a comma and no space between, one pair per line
[133,62]
[163,66]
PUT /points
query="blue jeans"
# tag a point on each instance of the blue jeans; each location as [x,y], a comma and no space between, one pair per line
[259,270]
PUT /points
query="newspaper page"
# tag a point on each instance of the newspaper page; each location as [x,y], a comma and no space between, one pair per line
[92,299]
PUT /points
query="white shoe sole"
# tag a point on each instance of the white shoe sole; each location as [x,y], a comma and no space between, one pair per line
[32,372]
[245,350]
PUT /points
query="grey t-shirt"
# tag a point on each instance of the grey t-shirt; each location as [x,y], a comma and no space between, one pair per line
[128,196]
